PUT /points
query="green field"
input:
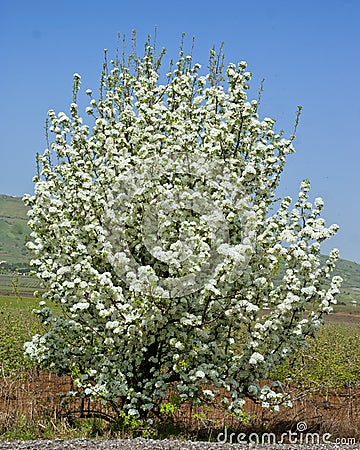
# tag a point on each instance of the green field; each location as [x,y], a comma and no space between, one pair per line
[17,325]
[23,285]
[18,304]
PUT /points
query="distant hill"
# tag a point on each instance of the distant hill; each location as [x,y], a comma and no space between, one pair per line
[13,233]
[350,272]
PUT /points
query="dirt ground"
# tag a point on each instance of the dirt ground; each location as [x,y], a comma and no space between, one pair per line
[38,396]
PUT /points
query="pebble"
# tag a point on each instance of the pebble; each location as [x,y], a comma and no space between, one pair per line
[150,444]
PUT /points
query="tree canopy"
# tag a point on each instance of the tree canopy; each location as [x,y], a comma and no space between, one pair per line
[157,230]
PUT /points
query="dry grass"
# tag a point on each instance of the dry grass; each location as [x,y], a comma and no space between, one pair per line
[31,407]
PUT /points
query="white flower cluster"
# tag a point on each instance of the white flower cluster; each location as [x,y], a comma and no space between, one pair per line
[158,234]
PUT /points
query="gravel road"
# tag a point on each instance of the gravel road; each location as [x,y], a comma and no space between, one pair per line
[148,444]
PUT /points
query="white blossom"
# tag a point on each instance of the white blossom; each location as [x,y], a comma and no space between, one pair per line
[156,229]
[256,358]
[200,374]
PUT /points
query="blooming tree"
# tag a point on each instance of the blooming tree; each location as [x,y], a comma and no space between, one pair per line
[157,231]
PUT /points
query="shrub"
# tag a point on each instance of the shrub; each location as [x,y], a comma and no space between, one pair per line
[159,233]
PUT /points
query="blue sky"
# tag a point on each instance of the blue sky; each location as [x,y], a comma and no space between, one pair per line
[308,52]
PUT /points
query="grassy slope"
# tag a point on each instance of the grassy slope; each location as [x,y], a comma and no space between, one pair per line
[350,291]
[13,232]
